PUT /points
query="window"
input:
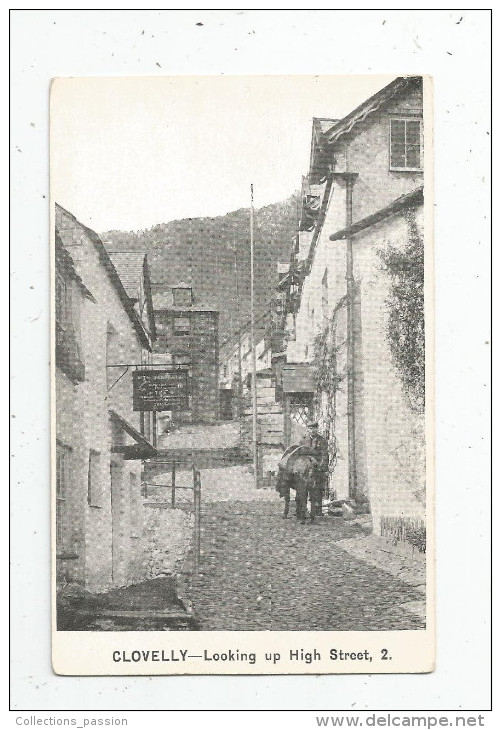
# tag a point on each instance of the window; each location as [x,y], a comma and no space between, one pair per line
[161,358]
[406,147]
[181,326]
[181,358]
[63,455]
[94,479]
[182,297]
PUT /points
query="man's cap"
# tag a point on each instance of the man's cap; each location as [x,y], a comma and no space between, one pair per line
[312,424]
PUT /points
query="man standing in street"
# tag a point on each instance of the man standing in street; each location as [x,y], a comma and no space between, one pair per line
[319,445]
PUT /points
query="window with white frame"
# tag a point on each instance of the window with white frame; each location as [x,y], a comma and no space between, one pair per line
[406,144]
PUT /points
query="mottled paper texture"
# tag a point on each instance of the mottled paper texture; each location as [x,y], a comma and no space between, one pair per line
[242,375]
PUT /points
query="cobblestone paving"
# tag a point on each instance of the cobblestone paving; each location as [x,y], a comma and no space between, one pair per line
[260,572]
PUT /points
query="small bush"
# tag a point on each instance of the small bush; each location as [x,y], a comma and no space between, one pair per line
[405,529]
[417,538]
[405,304]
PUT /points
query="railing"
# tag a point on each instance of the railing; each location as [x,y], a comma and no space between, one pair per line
[196,487]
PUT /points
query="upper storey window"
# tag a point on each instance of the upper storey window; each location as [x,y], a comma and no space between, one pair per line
[181,326]
[406,144]
[182,296]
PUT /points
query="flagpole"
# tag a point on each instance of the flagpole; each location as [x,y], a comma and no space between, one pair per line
[253,347]
[237,304]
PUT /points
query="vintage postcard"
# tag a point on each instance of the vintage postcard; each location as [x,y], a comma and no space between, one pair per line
[242,376]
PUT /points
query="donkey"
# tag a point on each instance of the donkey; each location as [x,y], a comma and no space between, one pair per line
[299,475]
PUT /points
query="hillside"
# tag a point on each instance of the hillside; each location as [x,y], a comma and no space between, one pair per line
[200,251]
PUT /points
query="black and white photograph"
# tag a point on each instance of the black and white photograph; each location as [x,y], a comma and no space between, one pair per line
[250,367]
[242,292]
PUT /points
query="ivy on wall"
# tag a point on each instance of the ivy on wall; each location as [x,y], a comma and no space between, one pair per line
[327,378]
[324,363]
[405,303]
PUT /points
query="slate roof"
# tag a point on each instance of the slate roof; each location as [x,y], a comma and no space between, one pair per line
[414,198]
[129,266]
[162,301]
[67,264]
[113,275]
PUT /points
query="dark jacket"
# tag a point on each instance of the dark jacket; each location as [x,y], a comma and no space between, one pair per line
[321,448]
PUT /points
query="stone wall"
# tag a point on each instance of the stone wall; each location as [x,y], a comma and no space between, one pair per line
[366,152]
[167,538]
[201,345]
[103,532]
[389,435]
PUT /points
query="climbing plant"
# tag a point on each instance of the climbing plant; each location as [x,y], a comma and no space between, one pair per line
[324,362]
[327,379]
[405,304]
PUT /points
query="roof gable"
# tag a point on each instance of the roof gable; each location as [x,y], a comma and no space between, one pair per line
[320,126]
[113,276]
[375,102]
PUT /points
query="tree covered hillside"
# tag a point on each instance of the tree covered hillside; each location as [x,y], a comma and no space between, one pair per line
[200,252]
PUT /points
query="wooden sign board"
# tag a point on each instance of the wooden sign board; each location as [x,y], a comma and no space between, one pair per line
[298,378]
[160,390]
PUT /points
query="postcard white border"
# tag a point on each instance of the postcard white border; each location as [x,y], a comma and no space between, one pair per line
[461,83]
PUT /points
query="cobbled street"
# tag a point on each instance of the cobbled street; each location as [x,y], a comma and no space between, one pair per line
[261,572]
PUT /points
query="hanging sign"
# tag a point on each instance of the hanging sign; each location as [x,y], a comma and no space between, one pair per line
[298,378]
[160,390]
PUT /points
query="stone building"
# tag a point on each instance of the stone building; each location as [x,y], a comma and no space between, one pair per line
[100,335]
[362,199]
[134,271]
[235,367]
[188,340]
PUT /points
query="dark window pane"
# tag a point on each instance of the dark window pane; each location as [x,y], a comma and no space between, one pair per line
[397,131]
[413,157]
[398,157]
[397,143]
[181,325]
[405,144]
[182,297]
[413,133]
